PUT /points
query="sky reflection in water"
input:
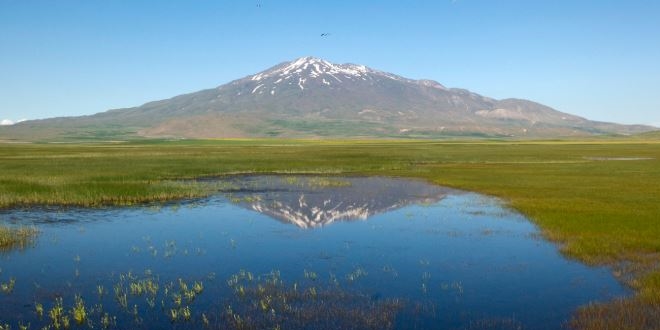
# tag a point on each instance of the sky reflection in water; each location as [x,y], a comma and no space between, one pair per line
[452,259]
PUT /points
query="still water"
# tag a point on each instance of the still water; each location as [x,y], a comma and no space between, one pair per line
[295,252]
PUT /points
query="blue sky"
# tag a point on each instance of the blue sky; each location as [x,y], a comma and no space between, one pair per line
[597,59]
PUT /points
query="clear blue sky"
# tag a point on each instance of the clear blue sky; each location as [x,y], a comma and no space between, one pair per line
[596,58]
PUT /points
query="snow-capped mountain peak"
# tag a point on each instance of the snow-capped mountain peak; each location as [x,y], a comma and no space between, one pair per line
[313,67]
[307,69]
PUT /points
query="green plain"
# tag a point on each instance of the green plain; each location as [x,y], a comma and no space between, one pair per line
[599,200]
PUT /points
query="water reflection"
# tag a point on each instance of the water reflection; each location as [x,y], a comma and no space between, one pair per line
[311,202]
[427,258]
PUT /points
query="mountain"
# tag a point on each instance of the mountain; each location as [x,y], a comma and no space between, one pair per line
[311,97]
[313,202]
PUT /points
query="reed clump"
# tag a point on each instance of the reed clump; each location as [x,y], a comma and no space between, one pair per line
[20,238]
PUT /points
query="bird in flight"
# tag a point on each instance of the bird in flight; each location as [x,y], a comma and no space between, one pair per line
[325,34]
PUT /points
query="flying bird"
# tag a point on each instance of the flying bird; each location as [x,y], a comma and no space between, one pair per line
[325,34]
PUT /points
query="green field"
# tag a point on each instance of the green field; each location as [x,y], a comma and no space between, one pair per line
[599,200]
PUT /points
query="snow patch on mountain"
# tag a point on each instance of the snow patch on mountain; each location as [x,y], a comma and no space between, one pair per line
[312,68]
[257,88]
[9,122]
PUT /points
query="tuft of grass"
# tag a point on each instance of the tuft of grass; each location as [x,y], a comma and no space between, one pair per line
[8,288]
[79,312]
[16,238]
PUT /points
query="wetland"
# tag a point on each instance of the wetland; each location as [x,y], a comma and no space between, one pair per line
[287,252]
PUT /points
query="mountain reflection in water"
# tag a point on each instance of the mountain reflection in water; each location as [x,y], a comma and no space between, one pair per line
[460,261]
[312,202]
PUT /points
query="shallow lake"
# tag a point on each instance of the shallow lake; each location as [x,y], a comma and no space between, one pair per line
[288,252]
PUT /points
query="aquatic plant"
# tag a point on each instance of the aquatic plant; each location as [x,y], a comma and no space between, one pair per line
[180,314]
[122,299]
[310,275]
[57,317]
[333,280]
[280,306]
[17,237]
[185,313]
[8,287]
[198,287]
[39,309]
[242,275]
[100,291]
[356,274]
[177,299]
[426,276]
[174,315]
[136,314]
[188,293]
[79,312]
[144,286]
[263,301]
[107,321]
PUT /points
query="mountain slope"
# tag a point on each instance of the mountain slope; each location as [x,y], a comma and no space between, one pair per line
[311,97]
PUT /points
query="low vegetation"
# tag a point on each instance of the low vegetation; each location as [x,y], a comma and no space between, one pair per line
[599,199]
[247,302]
[12,238]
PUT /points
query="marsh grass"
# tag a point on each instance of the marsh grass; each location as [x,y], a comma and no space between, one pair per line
[17,238]
[267,302]
[620,314]
[254,302]
[598,209]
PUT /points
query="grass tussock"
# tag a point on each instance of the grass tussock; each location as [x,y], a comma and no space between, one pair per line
[16,238]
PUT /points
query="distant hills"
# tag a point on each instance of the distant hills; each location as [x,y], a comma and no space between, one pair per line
[313,98]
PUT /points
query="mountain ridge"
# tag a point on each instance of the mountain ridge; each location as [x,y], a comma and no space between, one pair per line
[310,98]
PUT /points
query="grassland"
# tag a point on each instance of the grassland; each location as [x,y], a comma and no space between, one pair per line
[599,200]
